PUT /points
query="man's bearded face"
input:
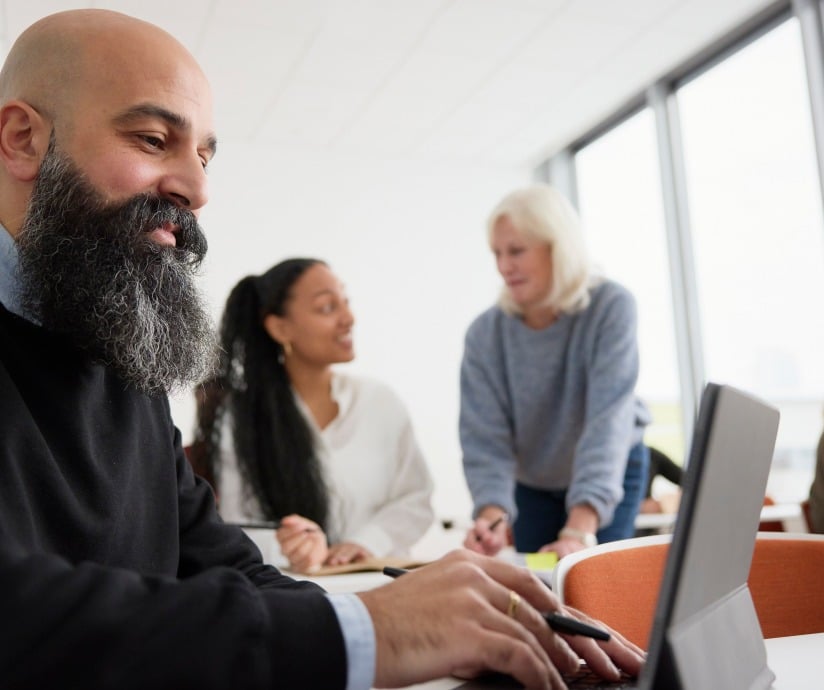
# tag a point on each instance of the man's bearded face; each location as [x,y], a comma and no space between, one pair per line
[90,272]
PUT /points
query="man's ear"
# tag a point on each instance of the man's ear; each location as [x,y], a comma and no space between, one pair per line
[24,139]
[276,327]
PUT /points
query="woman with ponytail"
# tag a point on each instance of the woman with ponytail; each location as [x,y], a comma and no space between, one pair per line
[282,436]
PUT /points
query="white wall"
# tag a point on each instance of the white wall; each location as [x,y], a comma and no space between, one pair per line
[408,240]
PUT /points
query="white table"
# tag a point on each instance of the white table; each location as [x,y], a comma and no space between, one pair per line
[794,660]
[359,582]
[346,582]
[788,513]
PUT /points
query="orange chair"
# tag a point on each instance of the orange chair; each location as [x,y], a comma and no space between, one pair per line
[618,583]
[785,582]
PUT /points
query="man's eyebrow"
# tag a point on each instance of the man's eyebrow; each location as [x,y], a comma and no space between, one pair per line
[176,120]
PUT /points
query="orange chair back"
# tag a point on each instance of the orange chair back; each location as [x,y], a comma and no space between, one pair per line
[619,588]
[787,585]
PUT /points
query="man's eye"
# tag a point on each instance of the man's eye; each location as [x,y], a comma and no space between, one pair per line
[152,141]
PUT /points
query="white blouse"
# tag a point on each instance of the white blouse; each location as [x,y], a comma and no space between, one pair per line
[379,485]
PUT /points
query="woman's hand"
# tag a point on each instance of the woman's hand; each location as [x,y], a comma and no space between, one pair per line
[563,547]
[582,524]
[346,552]
[490,533]
[303,543]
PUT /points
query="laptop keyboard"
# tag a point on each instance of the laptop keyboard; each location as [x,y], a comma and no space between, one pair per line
[582,680]
[586,678]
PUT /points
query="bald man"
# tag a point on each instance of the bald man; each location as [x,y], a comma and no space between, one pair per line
[115,571]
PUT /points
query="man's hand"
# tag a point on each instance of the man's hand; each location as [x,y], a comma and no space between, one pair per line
[452,618]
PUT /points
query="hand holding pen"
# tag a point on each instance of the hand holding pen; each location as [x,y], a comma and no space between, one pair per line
[465,614]
[303,542]
[488,537]
[556,621]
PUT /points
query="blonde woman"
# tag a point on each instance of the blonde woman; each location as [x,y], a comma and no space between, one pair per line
[550,425]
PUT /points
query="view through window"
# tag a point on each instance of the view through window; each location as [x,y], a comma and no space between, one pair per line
[756,218]
[619,196]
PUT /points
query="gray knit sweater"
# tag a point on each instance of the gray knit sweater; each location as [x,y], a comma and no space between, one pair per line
[552,408]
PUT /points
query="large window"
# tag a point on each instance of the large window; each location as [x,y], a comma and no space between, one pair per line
[756,223]
[619,196]
[743,201]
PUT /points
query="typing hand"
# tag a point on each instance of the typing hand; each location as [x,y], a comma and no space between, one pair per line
[456,616]
[302,542]
[604,657]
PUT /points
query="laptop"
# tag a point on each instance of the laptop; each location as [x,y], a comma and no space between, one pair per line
[705,632]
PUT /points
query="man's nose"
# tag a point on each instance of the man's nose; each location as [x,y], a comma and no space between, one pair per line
[186,184]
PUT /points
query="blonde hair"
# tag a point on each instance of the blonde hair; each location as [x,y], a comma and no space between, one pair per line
[543,213]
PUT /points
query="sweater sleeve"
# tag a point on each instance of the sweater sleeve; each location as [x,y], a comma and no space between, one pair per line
[612,371]
[92,626]
[485,424]
[226,620]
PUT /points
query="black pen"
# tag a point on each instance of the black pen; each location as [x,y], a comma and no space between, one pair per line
[571,626]
[393,572]
[265,524]
[261,524]
[493,524]
[559,623]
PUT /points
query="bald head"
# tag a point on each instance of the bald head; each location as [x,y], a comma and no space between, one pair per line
[63,59]
[120,97]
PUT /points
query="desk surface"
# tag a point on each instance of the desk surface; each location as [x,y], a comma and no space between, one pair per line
[794,660]
[359,582]
[783,512]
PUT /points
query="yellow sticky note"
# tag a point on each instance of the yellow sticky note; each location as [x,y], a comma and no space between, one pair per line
[541,561]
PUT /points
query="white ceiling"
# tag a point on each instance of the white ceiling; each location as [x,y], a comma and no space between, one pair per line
[493,81]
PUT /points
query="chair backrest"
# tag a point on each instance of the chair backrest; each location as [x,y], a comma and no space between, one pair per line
[786,583]
[618,583]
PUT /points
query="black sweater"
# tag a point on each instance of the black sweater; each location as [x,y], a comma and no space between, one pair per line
[115,571]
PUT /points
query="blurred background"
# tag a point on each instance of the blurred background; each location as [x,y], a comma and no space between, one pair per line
[378,134]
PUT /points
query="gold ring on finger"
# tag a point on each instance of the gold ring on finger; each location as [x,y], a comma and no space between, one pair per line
[514,602]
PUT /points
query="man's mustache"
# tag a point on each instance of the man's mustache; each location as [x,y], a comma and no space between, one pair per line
[147,212]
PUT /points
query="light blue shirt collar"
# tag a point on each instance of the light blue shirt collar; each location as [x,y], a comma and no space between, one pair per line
[10,282]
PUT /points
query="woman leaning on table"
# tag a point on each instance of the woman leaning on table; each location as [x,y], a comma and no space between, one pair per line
[283,435]
[550,425]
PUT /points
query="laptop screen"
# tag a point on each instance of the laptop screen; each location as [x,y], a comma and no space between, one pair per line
[705,632]
[705,623]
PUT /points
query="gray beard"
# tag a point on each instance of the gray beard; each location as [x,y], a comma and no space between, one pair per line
[89,272]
